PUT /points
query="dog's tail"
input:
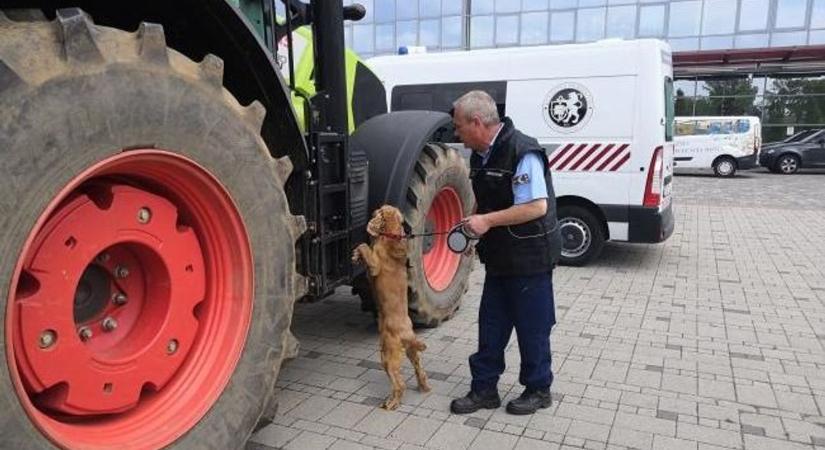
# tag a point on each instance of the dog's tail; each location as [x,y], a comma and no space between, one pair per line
[415,344]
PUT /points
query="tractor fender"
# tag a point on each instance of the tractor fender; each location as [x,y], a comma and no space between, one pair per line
[392,143]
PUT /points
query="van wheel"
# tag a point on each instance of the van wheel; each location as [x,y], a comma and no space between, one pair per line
[724,166]
[787,164]
[582,236]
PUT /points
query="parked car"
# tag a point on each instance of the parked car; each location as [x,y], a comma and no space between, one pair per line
[788,158]
[796,137]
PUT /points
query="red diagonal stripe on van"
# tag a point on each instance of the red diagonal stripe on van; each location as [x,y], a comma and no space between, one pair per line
[621,162]
[612,157]
[586,155]
[558,154]
[572,155]
[598,157]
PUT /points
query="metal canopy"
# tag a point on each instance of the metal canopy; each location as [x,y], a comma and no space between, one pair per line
[790,60]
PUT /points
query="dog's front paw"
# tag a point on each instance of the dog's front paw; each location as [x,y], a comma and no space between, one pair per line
[391,403]
[356,256]
[424,387]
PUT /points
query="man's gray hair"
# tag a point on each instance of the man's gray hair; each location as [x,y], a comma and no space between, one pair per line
[478,103]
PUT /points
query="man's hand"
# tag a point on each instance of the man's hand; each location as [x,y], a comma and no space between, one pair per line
[477,224]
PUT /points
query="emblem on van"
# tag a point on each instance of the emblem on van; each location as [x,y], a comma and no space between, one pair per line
[568,107]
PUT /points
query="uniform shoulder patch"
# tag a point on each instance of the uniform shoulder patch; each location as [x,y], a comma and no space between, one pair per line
[523,178]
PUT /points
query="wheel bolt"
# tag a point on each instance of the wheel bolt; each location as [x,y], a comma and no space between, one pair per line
[144,215]
[121,272]
[172,346]
[47,339]
[119,299]
[109,324]
[85,333]
[102,258]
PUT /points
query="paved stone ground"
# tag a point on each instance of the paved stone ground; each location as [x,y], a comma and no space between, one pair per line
[715,339]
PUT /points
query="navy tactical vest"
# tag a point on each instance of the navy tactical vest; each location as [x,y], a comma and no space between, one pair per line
[524,249]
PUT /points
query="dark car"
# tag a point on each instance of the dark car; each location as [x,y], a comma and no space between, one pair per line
[789,157]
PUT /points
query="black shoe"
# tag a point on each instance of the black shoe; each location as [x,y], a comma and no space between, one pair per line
[529,402]
[473,401]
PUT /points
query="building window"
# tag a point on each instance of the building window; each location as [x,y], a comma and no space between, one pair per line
[363,38]
[385,38]
[407,9]
[561,26]
[753,16]
[450,7]
[562,4]
[507,6]
[430,8]
[384,11]
[428,32]
[590,24]
[818,14]
[684,44]
[788,39]
[684,18]
[481,7]
[406,33]
[817,37]
[368,5]
[717,17]
[621,21]
[481,31]
[790,13]
[716,42]
[533,5]
[751,40]
[506,30]
[652,21]
[587,3]
[451,35]
[534,28]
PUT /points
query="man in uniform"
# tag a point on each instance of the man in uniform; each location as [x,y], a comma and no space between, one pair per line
[519,246]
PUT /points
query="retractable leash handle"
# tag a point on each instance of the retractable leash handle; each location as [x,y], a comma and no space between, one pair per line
[459,238]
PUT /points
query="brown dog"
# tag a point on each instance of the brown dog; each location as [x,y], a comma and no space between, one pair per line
[386,262]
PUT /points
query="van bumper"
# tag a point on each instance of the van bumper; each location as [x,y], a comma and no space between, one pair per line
[747,162]
[650,225]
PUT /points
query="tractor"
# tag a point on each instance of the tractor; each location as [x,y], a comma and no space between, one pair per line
[175,175]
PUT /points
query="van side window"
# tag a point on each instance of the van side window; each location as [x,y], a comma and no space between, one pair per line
[743,126]
[670,109]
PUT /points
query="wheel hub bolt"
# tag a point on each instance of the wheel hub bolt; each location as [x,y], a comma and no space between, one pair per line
[47,339]
[109,324]
[172,346]
[119,299]
[144,215]
[85,333]
[121,272]
[102,258]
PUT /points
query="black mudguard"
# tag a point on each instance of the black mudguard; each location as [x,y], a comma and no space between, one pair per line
[392,143]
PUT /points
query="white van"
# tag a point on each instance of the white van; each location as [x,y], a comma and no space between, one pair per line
[721,144]
[602,111]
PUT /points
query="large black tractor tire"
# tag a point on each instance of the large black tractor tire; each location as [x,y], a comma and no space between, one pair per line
[73,96]
[439,194]
[582,235]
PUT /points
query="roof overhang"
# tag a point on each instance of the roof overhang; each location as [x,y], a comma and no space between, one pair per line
[789,60]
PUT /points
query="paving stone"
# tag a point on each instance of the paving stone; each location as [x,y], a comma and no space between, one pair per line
[308,440]
[415,430]
[346,414]
[274,435]
[453,436]
[380,422]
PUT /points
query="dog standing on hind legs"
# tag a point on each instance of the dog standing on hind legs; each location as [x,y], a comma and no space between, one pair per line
[386,263]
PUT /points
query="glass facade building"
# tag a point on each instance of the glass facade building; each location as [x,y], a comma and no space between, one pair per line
[785,102]
[687,24]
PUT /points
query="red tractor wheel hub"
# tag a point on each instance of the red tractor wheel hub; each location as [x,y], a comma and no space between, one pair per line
[131,303]
[441,264]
